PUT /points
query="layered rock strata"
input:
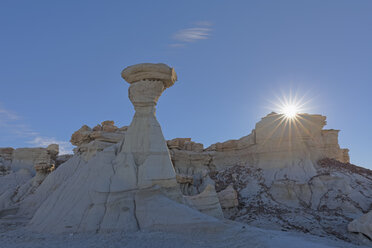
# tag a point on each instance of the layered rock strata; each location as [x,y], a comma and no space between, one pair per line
[90,141]
[287,174]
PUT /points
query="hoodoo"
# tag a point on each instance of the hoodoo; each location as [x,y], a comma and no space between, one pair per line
[144,149]
[128,186]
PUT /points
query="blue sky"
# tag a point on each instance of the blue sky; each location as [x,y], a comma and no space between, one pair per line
[60,65]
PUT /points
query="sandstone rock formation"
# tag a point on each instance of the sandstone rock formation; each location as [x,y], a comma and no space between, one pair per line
[185,144]
[127,186]
[287,174]
[90,141]
[283,167]
[150,72]
[22,171]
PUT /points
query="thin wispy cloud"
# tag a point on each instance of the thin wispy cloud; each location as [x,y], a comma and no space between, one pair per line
[7,116]
[200,31]
[192,34]
[11,123]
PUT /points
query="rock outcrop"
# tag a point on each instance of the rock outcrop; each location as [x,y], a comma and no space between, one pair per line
[128,186]
[90,141]
[287,174]
[22,170]
[284,166]
[185,144]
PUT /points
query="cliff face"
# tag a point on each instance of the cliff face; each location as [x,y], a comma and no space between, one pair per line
[288,174]
[282,148]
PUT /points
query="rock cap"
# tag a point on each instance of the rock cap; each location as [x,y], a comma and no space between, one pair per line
[150,71]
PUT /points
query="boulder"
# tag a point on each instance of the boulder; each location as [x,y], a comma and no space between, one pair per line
[228,197]
[363,225]
[90,141]
[108,126]
[206,202]
[81,136]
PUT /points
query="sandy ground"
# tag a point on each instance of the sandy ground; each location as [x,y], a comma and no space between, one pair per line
[13,233]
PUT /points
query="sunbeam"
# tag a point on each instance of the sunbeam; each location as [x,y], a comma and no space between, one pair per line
[290,111]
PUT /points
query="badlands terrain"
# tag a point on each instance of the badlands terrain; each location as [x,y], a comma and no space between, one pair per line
[286,184]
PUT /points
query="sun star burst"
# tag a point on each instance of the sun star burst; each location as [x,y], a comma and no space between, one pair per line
[290,110]
[291,105]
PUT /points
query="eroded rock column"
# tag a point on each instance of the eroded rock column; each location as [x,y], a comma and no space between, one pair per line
[144,139]
[129,186]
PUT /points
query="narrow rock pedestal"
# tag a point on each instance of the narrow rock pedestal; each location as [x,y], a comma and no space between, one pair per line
[144,139]
[129,186]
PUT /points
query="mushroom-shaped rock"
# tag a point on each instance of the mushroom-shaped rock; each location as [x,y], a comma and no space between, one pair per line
[149,71]
[128,186]
[144,139]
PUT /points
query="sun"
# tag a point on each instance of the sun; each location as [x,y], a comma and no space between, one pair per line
[291,105]
[290,110]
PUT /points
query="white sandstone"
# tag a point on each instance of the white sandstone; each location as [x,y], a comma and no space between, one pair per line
[128,186]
